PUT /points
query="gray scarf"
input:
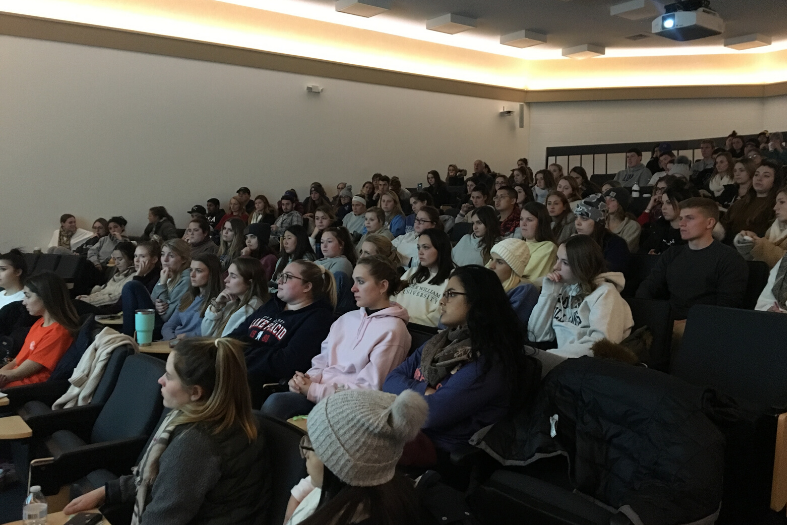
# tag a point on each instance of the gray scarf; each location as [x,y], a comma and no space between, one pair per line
[445,354]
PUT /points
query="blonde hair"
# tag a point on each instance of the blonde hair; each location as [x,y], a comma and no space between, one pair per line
[219,368]
[397,206]
[252,272]
[183,250]
[384,246]
[322,281]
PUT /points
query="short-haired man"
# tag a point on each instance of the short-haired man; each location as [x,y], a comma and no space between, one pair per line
[354,221]
[776,150]
[705,165]
[508,210]
[244,196]
[214,212]
[702,271]
[198,236]
[635,172]
[481,172]
[382,186]
[665,158]
[478,198]
[289,216]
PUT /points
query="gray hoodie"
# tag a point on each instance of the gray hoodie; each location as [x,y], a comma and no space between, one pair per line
[638,174]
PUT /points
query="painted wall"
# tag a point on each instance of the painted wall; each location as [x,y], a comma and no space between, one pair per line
[98,132]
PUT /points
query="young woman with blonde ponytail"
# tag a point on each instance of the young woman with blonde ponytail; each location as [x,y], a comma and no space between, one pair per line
[206,462]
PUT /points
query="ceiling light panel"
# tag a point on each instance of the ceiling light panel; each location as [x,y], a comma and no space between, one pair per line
[451,24]
[637,9]
[583,51]
[364,8]
[524,38]
[747,41]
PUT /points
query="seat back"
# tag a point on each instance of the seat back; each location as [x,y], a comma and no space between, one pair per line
[656,315]
[47,262]
[600,178]
[286,464]
[68,267]
[69,361]
[111,373]
[758,278]
[639,267]
[31,259]
[135,403]
[420,334]
[739,352]
[459,230]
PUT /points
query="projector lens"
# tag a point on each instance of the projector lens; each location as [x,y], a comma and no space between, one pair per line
[668,22]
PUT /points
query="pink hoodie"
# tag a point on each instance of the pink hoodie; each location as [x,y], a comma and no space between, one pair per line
[360,351]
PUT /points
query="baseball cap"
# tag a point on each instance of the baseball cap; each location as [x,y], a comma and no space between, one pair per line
[198,209]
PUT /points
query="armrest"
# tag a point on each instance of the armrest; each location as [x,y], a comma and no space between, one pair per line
[78,420]
[116,456]
[466,456]
[779,484]
[47,392]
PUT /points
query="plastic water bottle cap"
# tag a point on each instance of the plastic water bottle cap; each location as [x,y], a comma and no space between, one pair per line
[35,488]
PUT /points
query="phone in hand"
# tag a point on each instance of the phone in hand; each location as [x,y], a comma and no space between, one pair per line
[86,518]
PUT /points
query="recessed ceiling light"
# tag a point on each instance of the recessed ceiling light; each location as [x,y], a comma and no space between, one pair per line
[583,51]
[524,38]
[636,9]
[747,41]
[451,24]
[365,8]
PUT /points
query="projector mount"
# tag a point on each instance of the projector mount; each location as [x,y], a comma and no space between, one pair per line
[687,5]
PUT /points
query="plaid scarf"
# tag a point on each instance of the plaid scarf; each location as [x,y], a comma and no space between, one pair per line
[64,241]
[146,472]
[444,354]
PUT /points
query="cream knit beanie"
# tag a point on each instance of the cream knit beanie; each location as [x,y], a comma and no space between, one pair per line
[515,253]
[359,434]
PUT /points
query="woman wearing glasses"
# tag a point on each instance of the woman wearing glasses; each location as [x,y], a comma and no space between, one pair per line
[665,232]
[407,244]
[653,210]
[285,333]
[475,371]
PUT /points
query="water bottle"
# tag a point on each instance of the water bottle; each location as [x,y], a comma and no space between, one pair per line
[635,190]
[34,511]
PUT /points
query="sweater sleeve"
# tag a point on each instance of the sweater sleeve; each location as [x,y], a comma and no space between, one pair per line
[403,378]
[120,490]
[733,275]
[766,251]
[168,330]
[766,299]
[539,326]
[630,233]
[655,285]
[397,226]
[189,468]
[93,251]
[172,298]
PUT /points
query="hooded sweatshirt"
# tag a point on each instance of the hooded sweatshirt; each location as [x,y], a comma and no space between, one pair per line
[564,313]
[281,342]
[638,174]
[360,351]
[542,259]
[467,251]
[422,300]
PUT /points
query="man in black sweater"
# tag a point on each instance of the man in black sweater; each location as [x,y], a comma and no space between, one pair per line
[702,271]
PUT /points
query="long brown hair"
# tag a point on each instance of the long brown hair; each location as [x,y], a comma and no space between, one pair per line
[586,261]
[252,272]
[54,294]
[219,368]
[489,218]
[343,237]
[234,248]
[212,289]
[560,220]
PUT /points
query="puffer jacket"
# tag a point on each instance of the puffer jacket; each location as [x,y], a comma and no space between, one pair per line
[638,440]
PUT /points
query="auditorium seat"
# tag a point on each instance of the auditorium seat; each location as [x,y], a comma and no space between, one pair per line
[459,230]
[758,278]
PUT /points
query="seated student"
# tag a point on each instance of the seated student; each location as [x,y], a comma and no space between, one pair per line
[207,462]
[368,190]
[770,248]
[507,209]
[509,261]
[264,212]
[232,242]
[68,237]
[285,333]
[345,203]
[338,251]
[46,295]
[479,198]
[524,194]
[545,182]
[214,213]
[205,279]
[257,247]
[100,253]
[317,198]
[13,272]
[294,246]
[742,177]
[425,283]
[352,471]
[475,247]
[147,266]
[402,193]
[754,212]
[362,348]
[580,303]
[610,184]
[635,172]
[773,297]
[591,221]
[563,218]
[721,176]
[702,271]
[585,186]
[407,244]
[437,189]
[106,298]
[417,201]
[665,232]
[198,236]
[245,290]
[100,230]
[323,218]
[569,187]
[237,211]
[378,245]
[296,203]
[394,216]
[652,211]
[618,223]
[471,374]
[521,175]
[354,221]
[374,225]
[161,226]
[289,216]
[535,227]
[172,284]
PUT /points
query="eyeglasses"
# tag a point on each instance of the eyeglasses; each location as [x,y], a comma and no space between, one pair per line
[284,277]
[659,189]
[423,221]
[450,294]
[305,446]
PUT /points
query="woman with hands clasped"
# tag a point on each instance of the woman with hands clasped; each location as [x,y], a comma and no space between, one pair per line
[245,290]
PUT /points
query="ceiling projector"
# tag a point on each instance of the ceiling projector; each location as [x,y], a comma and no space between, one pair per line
[688,25]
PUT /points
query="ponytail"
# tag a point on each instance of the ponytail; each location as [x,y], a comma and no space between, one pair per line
[219,368]
[322,281]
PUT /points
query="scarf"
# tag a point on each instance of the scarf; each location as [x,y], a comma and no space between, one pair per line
[146,472]
[64,240]
[445,353]
[776,232]
[779,289]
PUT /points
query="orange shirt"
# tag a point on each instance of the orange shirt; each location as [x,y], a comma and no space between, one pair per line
[45,346]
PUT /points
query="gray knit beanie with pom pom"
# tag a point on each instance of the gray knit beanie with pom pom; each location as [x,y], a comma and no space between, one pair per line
[359,434]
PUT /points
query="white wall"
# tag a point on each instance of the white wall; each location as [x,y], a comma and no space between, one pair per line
[775,114]
[97,132]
